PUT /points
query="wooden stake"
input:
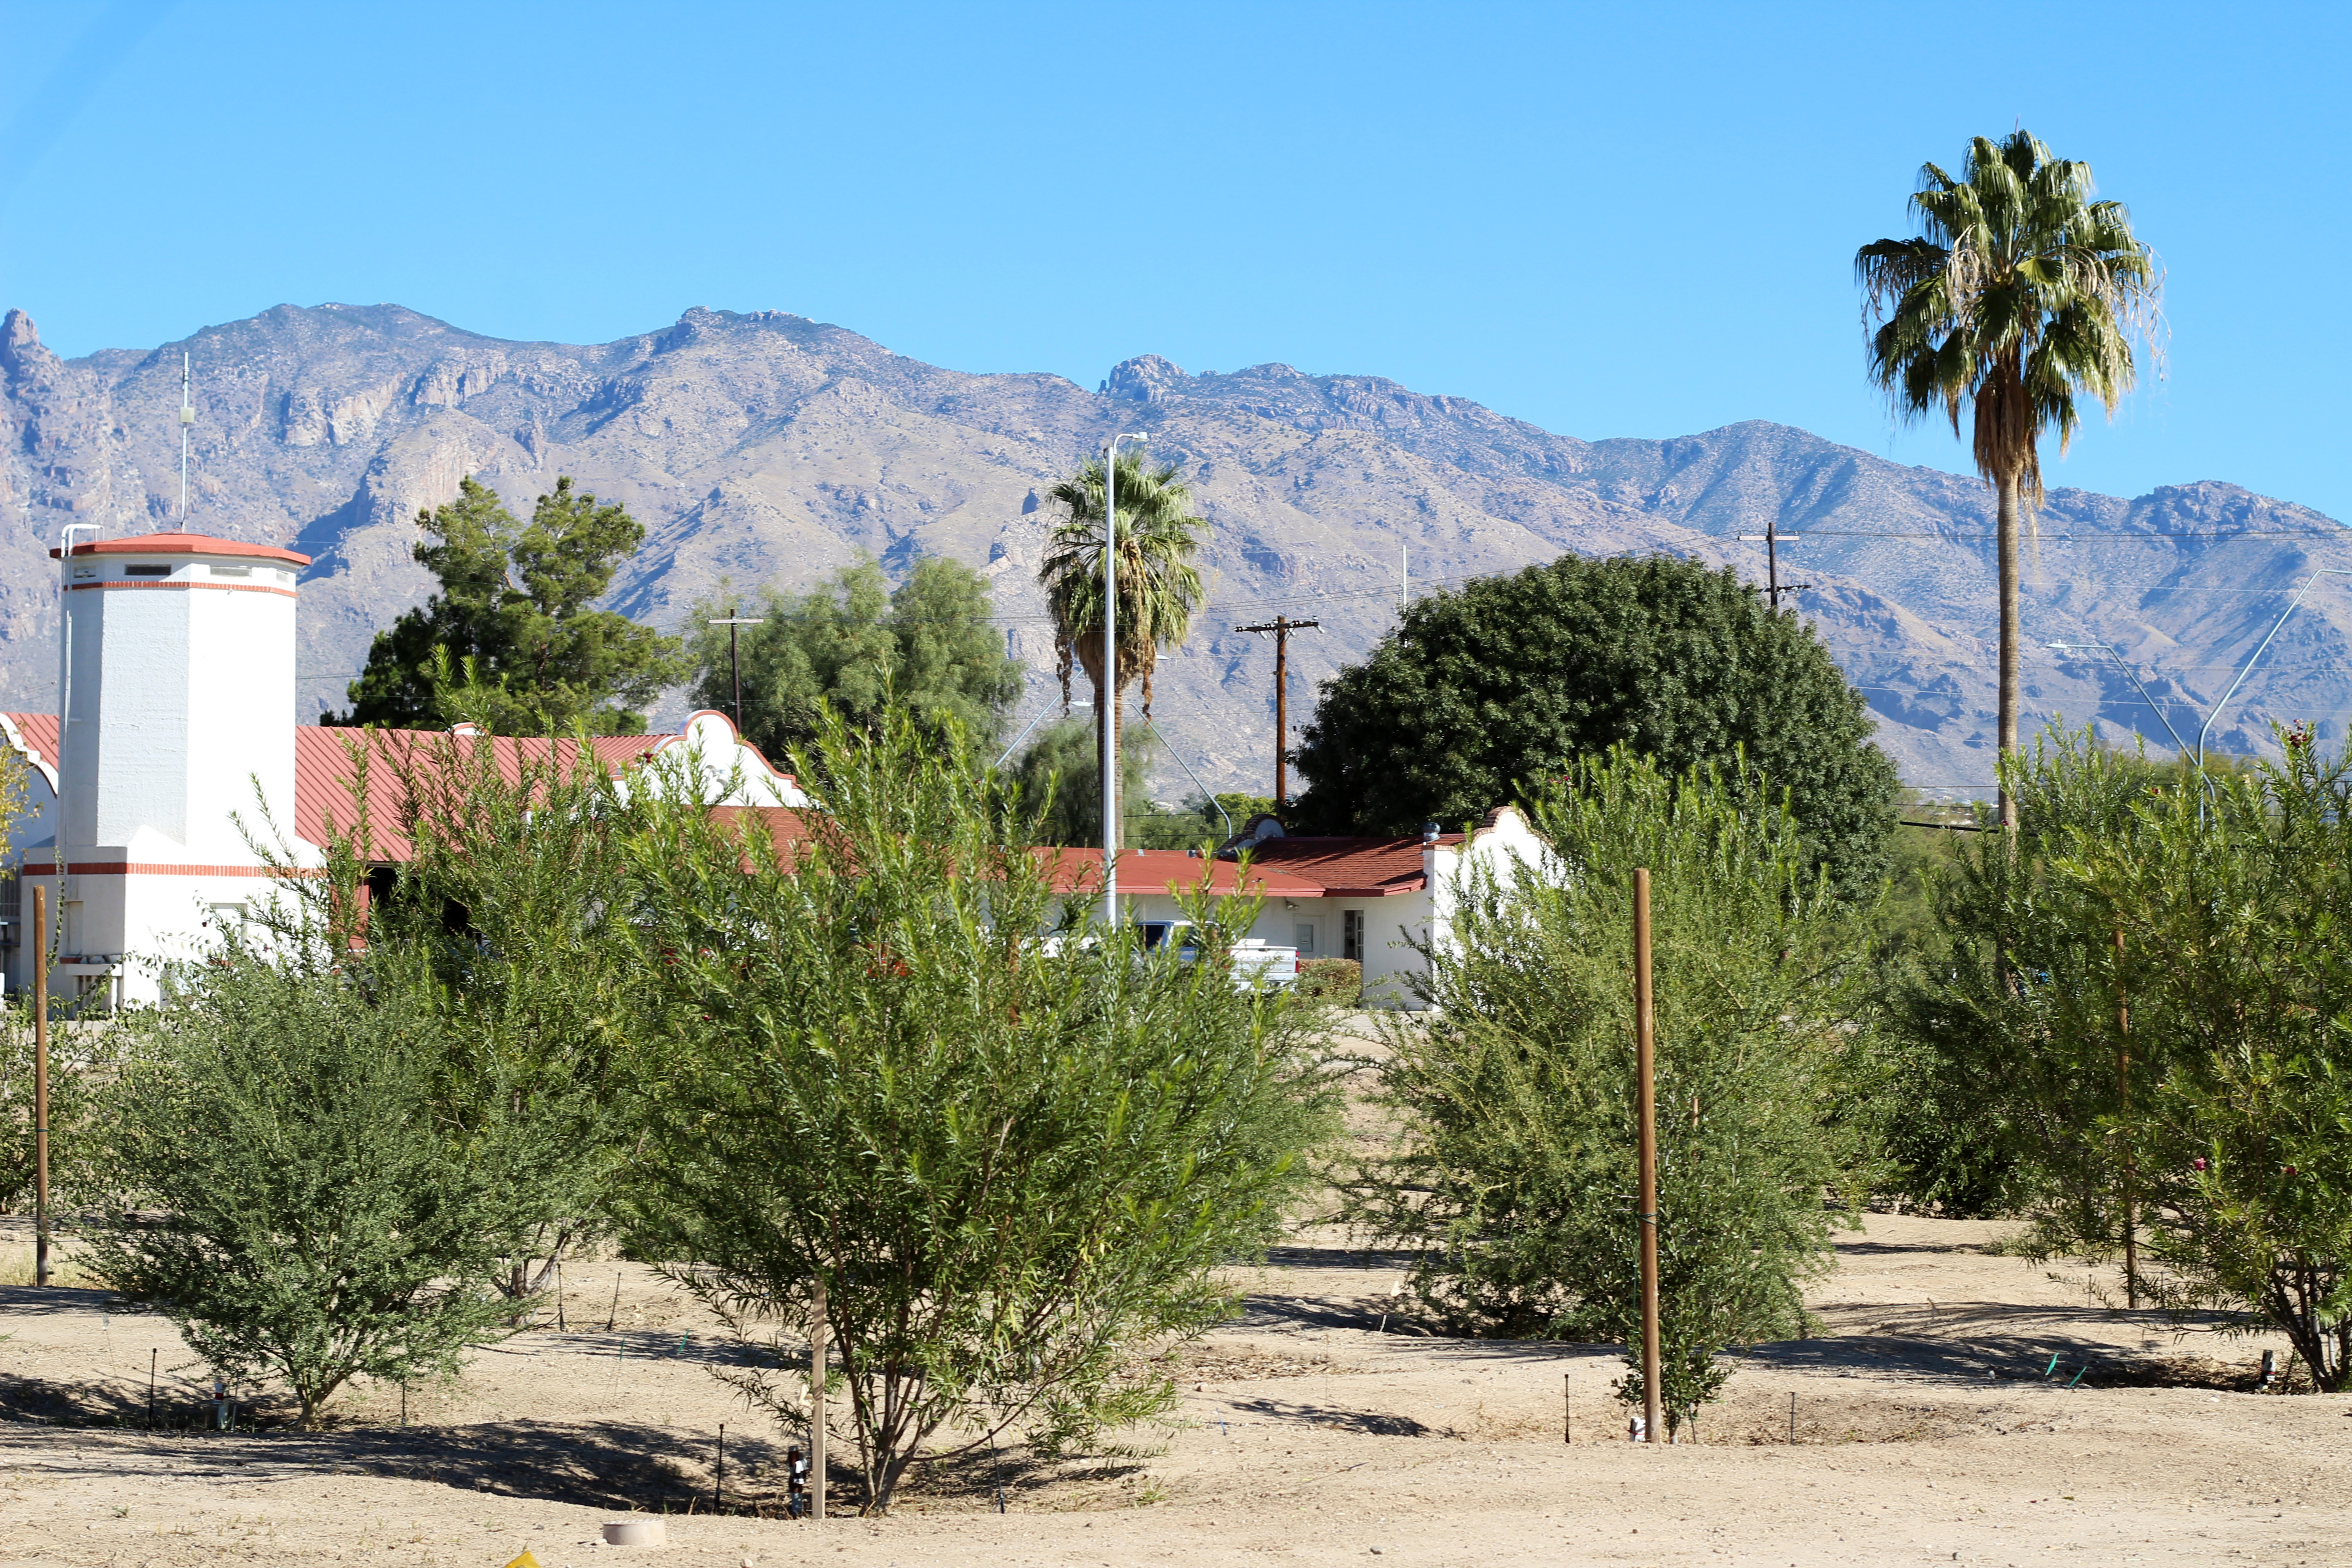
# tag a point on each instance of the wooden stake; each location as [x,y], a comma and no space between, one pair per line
[1646,1112]
[1567,1413]
[2123,1098]
[40,1086]
[817,1404]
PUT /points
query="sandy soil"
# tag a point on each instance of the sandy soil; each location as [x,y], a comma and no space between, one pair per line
[1929,1427]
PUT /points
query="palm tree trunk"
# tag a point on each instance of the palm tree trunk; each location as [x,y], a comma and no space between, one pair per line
[2006,733]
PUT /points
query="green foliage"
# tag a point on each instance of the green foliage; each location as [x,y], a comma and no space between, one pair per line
[1337,981]
[533,985]
[1014,1160]
[80,1056]
[1516,1171]
[1159,588]
[309,1215]
[2217,920]
[858,645]
[1496,688]
[1195,818]
[509,642]
[1064,762]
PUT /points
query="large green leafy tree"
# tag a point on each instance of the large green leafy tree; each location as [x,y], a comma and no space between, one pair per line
[858,645]
[1159,588]
[1489,690]
[2020,293]
[1516,1091]
[510,641]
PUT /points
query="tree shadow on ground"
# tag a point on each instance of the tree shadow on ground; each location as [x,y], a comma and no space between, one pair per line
[593,1463]
[1332,1418]
[1988,1360]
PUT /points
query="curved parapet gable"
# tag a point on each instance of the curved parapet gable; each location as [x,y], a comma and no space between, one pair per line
[735,771]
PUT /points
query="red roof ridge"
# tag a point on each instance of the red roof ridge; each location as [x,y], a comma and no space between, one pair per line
[179,544]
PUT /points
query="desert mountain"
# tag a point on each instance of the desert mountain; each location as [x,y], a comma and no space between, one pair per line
[770,448]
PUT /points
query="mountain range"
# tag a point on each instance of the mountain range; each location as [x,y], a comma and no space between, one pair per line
[764,448]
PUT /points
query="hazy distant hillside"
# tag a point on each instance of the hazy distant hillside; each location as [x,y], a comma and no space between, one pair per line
[768,447]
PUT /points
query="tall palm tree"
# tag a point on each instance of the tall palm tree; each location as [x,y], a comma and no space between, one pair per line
[2020,292]
[1159,586]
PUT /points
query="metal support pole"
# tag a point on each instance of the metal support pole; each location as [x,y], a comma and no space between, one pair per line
[816,1404]
[1109,717]
[2123,1102]
[1646,1112]
[40,1086]
[1188,773]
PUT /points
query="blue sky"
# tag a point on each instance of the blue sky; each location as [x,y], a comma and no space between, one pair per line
[1609,221]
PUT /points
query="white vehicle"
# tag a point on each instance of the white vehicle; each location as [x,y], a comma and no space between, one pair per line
[1257,965]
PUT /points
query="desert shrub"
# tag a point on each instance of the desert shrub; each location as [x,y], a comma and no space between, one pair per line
[300,1211]
[1013,1152]
[2156,990]
[1516,1167]
[1339,981]
[81,1059]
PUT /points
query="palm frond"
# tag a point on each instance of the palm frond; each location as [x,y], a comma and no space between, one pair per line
[2020,294]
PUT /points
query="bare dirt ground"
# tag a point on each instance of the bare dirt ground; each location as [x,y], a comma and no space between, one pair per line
[1929,1426]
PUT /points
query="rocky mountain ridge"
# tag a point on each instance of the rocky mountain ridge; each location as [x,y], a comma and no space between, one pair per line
[766,447]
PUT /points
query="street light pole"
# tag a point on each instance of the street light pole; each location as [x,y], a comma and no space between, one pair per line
[735,654]
[1108,718]
[2116,654]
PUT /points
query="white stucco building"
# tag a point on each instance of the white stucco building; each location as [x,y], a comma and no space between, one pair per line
[1374,901]
[177,750]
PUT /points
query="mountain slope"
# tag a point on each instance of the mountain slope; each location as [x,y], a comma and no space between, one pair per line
[767,448]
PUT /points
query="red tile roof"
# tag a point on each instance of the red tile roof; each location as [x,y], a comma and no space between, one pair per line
[184,544]
[39,731]
[1279,868]
[326,768]
[1350,867]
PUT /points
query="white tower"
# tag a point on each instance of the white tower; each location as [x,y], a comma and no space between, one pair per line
[178,718]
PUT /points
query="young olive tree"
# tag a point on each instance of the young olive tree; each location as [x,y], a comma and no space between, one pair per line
[1012,1149]
[1516,1171]
[300,1212]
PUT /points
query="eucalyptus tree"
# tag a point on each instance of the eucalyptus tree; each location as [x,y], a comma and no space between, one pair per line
[1159,588]
[2020,293]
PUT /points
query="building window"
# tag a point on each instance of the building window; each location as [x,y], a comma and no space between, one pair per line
[1304,939]
[1351,934]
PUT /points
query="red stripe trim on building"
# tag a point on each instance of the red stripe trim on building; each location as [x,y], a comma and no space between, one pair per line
[149,868]
[218,587]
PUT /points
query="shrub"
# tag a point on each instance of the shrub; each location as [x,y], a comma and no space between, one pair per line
[1014,1154]
[1517,1169]
[1339,981]
[317,1223]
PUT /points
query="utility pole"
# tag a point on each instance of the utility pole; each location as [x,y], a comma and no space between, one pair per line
[734,623]
[1774,587]
[41,1085]
[1282,626]
[1645,1107]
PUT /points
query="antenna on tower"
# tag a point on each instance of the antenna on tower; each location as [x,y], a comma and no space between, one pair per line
[187,417]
